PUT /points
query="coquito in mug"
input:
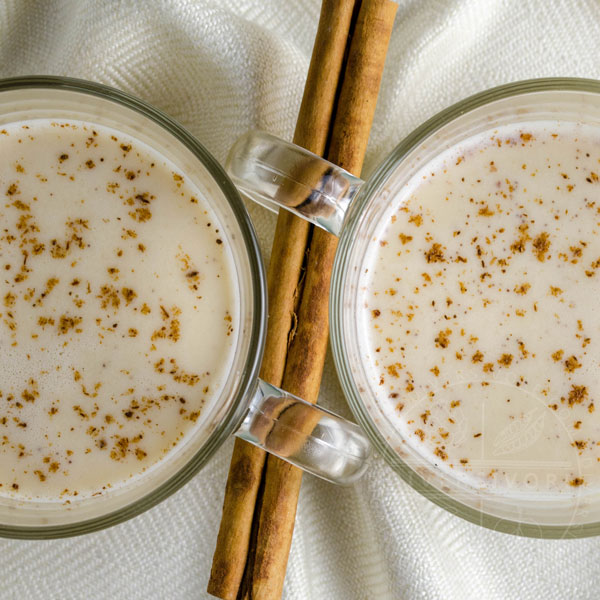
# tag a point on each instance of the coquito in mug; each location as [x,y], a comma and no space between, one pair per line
[464,314]
[132,317]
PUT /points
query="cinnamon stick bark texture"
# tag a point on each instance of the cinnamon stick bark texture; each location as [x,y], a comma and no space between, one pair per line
[306,354]
[284,276]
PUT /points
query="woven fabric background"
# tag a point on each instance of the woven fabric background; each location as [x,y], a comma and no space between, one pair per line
[221,68]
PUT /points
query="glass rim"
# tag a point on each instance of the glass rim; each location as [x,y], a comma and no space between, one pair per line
[235,414]
[341,269]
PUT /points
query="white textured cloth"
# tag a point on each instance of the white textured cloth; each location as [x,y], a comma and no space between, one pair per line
[222,68]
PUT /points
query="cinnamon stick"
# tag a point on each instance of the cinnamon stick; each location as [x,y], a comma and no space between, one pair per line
[306,355]
[284,277]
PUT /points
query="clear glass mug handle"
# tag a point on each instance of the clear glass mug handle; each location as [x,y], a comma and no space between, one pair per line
[305,435]
[277,174]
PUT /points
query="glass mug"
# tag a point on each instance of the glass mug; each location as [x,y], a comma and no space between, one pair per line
[275,173]
[313,439]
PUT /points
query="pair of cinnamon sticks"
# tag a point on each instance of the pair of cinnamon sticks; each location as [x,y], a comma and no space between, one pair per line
[334,121]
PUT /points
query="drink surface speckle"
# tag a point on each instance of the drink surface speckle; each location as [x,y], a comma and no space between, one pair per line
[478,306]
[118,310]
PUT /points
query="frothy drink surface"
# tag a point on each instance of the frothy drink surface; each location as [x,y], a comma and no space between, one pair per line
[480,314]
[118,308]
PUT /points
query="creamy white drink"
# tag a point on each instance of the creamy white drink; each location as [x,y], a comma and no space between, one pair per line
[118,309]
[480,310]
